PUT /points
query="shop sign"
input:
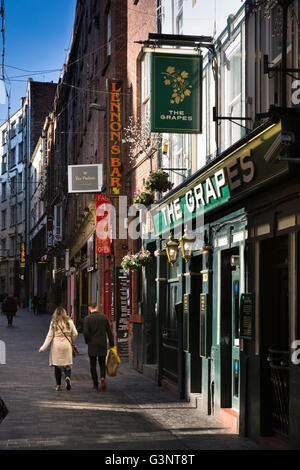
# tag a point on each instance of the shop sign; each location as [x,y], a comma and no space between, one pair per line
[103,224]
[247,316]
[84,178]
[22,255]
[49,232]
[236,175]
[176,93]
[115,127]
[123,310]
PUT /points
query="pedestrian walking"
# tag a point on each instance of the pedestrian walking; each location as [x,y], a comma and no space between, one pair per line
[96,330]
[62,333]
[35,303]
[10,308]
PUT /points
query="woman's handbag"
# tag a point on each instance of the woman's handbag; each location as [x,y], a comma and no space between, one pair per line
[3,410]
[74,348]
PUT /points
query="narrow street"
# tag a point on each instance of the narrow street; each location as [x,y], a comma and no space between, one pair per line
[132,414]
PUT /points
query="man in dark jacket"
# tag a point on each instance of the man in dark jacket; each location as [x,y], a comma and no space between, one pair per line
[10,307]
[96,329]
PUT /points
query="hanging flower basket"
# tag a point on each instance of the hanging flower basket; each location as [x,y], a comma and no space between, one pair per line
[143,197]
[158,181]
[136,261]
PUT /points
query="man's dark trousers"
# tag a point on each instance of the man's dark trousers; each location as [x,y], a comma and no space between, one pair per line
[93,366]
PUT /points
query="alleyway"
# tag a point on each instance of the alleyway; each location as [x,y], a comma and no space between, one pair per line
[132,414]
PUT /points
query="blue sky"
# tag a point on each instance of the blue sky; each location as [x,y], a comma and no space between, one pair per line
[37,36]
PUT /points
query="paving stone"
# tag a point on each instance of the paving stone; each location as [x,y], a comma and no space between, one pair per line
[132,414]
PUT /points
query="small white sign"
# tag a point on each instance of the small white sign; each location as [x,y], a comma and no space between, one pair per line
[85,178]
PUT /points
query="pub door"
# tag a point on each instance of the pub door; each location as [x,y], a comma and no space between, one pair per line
[170,335]
[230,348]
[274,308]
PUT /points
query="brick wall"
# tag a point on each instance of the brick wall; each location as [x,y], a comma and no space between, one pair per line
[141,21]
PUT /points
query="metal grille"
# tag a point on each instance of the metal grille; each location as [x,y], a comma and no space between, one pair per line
[280,391]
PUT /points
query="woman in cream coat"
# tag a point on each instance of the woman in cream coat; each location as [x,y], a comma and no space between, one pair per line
[62,333]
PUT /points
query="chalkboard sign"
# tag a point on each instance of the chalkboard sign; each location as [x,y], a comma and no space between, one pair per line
[186,322]
[247,316]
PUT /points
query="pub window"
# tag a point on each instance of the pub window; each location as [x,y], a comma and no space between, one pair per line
[233,91]
[179,17]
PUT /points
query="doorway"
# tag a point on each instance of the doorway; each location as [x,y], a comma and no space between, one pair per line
[274,308]
[229,329]
[170,334]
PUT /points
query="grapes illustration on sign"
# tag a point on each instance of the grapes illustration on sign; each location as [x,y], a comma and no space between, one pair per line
[179,82]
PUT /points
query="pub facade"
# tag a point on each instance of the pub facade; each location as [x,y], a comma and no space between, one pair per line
[228,315]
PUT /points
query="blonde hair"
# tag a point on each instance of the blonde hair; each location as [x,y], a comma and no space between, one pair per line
[60,316]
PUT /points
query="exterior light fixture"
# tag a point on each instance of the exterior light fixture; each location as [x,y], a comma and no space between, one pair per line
[186,243]
[205,250]
[171,248]
[160,253]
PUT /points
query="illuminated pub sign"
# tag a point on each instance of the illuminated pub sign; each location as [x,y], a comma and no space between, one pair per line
[22,255]
[229,178]
[176,93]
[84,178]
[115,127]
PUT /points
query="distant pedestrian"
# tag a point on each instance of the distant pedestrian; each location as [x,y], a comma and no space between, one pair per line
[62,333]
[2,298]
[35,304]
[96,329]
[10,308]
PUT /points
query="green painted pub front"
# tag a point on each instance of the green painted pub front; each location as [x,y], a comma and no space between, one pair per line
[220,326]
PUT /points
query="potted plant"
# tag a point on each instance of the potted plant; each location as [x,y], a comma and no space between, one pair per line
[143,197]
[158,181]
[136,261]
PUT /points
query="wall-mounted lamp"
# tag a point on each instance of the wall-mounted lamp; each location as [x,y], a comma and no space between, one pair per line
[206,249]
[171,248]
[235,261]
[160,253]
[186,243]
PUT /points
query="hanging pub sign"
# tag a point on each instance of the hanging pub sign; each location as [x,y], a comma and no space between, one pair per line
[176,93]
[103,224]
[84,178]
[115,127]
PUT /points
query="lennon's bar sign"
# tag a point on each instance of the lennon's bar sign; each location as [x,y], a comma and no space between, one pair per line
[84,178]
[176,93]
